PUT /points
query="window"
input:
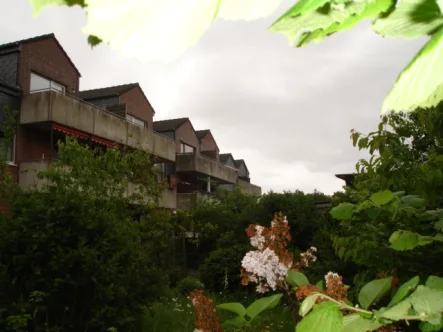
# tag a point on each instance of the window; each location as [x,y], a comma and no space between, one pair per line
[134,120]
[9,148]
[39,83]
[185,148]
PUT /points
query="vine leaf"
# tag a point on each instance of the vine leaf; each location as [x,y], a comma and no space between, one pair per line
[373,291]
[38,5]
[307,304]
[410,19]
[326,314]
[434,282]
[407,240]
[343,211]
[420,83]
[429,303]
[404,290]
[263,304]
[237,308]
[397,311]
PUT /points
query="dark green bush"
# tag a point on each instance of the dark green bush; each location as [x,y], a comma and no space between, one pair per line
[188,284]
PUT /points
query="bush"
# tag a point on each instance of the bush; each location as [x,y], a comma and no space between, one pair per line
[223,265]
[188,284]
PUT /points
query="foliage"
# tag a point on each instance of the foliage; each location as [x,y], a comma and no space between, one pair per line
[188,284]
[412,302]
[76,255]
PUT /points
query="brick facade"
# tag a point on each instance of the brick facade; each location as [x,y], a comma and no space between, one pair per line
[138,106]
[208,146]
[186,133]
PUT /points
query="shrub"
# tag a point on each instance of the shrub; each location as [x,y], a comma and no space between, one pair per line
[188,284]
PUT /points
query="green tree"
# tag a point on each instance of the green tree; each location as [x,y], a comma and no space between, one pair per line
[77,255]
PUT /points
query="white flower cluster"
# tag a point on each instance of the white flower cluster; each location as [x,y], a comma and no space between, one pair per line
[265,268]
[258,241]
[308,256]
[330,274]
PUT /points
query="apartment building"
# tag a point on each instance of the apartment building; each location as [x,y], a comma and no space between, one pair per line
[38,79]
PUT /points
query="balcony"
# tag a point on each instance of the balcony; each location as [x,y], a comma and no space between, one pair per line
[28,179]
[197,163]
[187,200]
[52,106]
[249,188]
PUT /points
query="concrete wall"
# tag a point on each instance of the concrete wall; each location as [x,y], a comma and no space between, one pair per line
[248,188]
[186,201]
[52,106]
[28,179]
[206,166]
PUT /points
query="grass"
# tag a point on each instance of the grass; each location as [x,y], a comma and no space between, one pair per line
[175,313]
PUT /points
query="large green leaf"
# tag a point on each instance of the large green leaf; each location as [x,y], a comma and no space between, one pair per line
[413,201]
[292,26]
[356,323]
[372,9]
[237,308]
[410,19]
[428,302]
[419,81]
[326,316]
[295,278]
[343,211]
[404,290]
[262,304]
[397,311]
[382,197]
[374,291]
[434,282]
[406,240]
[427,327]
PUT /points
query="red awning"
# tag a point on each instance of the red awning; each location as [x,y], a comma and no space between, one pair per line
[104,142]
[69,131]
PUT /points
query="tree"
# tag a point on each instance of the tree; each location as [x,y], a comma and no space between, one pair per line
[419,85]
[76,255]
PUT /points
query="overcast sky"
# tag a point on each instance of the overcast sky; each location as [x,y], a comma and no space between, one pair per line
[287,112]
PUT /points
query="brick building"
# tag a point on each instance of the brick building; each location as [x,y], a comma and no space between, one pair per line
[38,79]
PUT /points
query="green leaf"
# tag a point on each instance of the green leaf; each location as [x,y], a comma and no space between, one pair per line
[325,315]
[404,290]
[295,278]
[374,291]
[406,240]
[434,282]
[373,213]
[382,197]
[410,19]
[343,211]
[439,225]
[371,10]
[237,308]
[427,327]
[237,321]
[262,304]
[428,303]
[413,200]
[397,311]
[356,323]
[292,25]
[94,40]
[419,84]
[307,304]
[320,284]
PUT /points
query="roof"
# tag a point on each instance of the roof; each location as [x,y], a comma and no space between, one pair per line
[223,157]
[36,39]
[202,133]
[110,91]
[169,125]
[238,162]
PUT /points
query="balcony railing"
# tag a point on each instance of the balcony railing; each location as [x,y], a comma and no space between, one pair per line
[51,106]
[198,163]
